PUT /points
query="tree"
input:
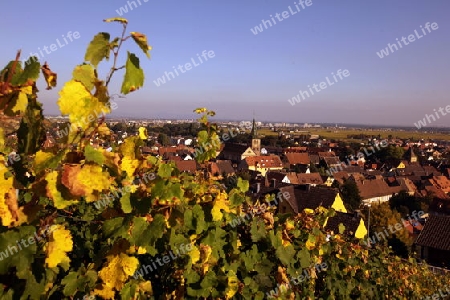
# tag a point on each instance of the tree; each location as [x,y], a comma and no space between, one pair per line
[383,221]
[119,126]
[163,139]
[406,204]
[350,194]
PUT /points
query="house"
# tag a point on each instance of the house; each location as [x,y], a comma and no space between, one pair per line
[302,178]
[407,185]
[441,182]
[433,243]
[296,159]
[307,198]
[167,151]
[295,149]
[353,223]
[274,178]
[220,168]
[261,163]
[189,166]
[235,152]
[375,190]
[315,159]
[333,163]
[328,180]
[310,198]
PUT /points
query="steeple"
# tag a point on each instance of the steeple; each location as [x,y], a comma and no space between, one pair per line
[410,155]
[254,132]
[256,142]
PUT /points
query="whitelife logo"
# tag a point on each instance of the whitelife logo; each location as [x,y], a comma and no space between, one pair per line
[423,122]
[124,9]
[323,85]
[188,66]
[284,15]
[53,47]
[411,38]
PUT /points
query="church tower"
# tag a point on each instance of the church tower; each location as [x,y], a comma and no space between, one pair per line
[411,156]
[256,142]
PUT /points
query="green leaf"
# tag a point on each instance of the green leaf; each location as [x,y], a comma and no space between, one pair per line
[70,283]
[304,257]
[33,289]
[93,155]
[114,228]
[243,185]
[128,291]
[134,75]
[125,202]
[24,256]
[258,230]
[86,75]
[146,234]
[5,73]
[341,228]
[31,71]
[98,49]
[165,170]
[120,20]
[141,41]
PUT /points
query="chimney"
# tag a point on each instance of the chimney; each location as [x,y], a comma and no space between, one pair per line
[258,187]
[308,187]
[274,182]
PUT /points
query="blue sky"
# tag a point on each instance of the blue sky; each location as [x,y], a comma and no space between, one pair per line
[255,73]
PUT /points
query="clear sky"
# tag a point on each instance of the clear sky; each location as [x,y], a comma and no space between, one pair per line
[256,73]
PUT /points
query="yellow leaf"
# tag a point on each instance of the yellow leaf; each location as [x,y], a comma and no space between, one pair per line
[105,292]
[53,192]
[8,199]
[104,130]
[95,181]
[143,133]
[77,102]
[311,242]
[22,100]
[117,271]
[194,254]
[233,285]
[117,19]
[60,242]
[129,165]
[41,159]
[220,203]
[146,287]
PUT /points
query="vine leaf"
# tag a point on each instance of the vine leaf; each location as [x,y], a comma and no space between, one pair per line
[86,75]
[30,72]
[93,155]
[134,75]
[98,49]
[50,77]
[141,40]
[120,20]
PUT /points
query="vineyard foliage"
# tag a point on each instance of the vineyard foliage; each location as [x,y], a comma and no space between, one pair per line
[56,244]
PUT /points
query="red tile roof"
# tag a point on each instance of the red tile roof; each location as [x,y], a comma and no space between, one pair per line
[264,161]
[298,158]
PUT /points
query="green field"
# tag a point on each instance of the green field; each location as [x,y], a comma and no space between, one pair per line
[342,134]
